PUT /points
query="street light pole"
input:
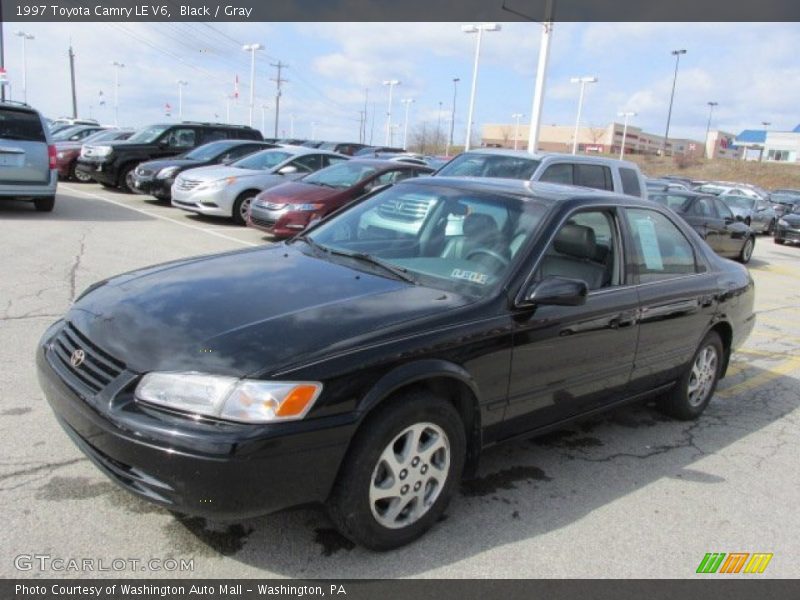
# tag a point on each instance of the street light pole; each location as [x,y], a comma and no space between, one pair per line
[391,83]
[677,55]
[452,118]
[117,67]
[516,116]
[408,102]
[251,48]
[541,79]
[479,29]
[711,106]
[25,37]
[625,116]
[180,83]
[583,81]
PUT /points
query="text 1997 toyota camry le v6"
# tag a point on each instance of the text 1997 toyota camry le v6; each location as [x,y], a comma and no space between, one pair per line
[367,367]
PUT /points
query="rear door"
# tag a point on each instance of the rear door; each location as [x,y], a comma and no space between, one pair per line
[23,147]
[733,232]
[706,220]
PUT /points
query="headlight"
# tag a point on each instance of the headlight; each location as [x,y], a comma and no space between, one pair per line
[167,173]
[102,150]
[59,154]
[229,398]
[217,184]
[783,222]
[306,207]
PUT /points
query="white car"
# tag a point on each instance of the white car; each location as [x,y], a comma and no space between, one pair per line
[228,190]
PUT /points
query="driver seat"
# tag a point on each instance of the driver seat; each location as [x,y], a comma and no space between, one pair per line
[480,231]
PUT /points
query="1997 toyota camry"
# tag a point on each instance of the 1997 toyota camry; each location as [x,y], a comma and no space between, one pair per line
[367,367]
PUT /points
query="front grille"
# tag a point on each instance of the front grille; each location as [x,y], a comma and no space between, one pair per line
[186,184]
[407,210]
[98,367]
[262,222]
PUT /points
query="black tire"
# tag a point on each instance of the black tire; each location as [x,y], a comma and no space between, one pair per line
[125,179]
[45,204]
[678,402]
[79,176]
[349,505]
[244,199]
[746,252]
[779,241]
[108,186]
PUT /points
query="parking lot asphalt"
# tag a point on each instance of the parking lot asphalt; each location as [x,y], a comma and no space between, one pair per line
[628,494]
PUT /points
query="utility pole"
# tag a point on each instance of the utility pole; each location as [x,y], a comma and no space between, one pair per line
[278,82]
[72,81]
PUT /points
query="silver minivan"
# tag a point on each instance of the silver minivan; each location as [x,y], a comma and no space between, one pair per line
[27,156]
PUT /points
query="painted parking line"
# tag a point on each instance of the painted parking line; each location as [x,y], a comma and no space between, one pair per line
[783,368]
[156,215]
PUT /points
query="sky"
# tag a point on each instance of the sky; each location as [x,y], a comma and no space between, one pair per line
[750,69]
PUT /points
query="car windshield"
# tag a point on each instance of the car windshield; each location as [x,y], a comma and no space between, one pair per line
[208,151]
[343,175]
[148,134]
[475,164]
[448,238]
[102,136]
[260,161]
[741,202]
[65,134]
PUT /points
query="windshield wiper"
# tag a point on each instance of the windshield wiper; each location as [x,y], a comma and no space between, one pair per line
[320,183]
[317,248]
[398,272]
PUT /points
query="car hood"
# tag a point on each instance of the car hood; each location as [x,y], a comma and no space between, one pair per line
[299,192]
[214,172]
[250,312]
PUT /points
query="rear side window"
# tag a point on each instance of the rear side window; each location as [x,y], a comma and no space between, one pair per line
[661,251]
[630,182]
[594,176]
[21,125]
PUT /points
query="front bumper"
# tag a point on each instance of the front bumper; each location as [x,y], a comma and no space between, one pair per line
[214,203]
[160,188]
[224,471]
[101,171]
[280,223]
[787,234]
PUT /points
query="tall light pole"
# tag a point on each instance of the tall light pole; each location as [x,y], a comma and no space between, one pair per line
[541,79]
[711,106]
[117,66]
[624,116]
[25,37]
[180,83]
[583,81]
[251,48]
[677,55]
[479,29]
[516,116]
[408,102]
[452,117]
[391,83]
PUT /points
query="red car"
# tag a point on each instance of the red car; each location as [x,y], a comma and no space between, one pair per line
[288,208]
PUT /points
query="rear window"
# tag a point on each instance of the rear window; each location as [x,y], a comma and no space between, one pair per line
[593,176]
[630,182]
[21,125]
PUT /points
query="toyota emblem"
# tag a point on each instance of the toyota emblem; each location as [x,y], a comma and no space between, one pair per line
[77,357]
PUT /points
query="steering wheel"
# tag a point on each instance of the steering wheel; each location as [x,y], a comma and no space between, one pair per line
[491,254]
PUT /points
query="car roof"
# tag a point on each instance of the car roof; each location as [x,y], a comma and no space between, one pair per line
[544,155]
[383,163]
[301,150]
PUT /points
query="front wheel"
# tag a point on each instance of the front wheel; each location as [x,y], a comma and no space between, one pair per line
[747,250]
[400,472]
[126,179]
[241,207]
[690,396]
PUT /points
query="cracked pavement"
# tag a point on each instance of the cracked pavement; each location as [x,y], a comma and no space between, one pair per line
[627,494]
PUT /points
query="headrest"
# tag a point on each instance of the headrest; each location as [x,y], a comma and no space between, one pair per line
[577,241]
[476,224]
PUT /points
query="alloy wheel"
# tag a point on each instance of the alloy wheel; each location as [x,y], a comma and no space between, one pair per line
[747,251]
[703,375]
[409,476]
[244,208]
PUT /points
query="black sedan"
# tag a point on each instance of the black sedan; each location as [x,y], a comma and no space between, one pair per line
[727,234]
[788,227]
[155,177]
[367,367]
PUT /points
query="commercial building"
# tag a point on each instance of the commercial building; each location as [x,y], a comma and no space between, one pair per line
[606,139]
[770,146]
[721,144]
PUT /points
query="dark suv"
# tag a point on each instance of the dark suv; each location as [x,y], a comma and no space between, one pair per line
[112,164]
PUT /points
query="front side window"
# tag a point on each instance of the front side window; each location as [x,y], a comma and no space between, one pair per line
[148,135]
[584,248]
[660,249]
[704,207]
[558,173]
[180,138]
[723,210]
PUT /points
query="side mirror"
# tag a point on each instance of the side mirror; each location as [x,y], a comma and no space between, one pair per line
[556,291]
[729,220]
[287,170]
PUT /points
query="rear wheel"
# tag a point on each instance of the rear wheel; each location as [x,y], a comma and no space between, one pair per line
[689,398]
[126,179]
[45,204]
[242,207]
[747,250]
[400,472]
